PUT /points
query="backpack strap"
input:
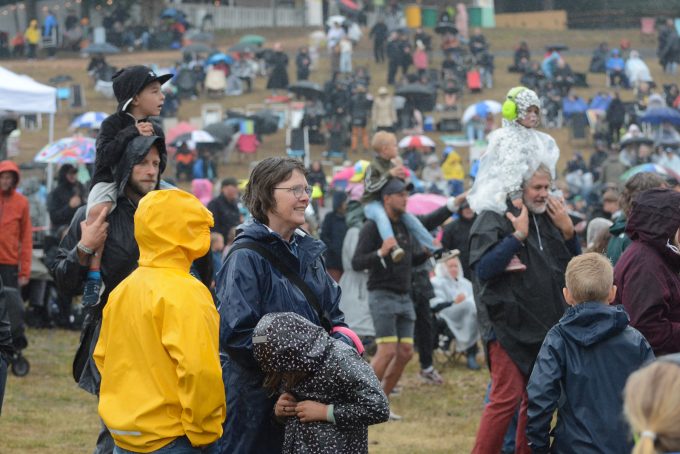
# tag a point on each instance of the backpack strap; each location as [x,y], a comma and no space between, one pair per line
[292,276]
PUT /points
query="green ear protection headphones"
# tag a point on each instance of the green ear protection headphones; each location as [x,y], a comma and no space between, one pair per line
[509,109]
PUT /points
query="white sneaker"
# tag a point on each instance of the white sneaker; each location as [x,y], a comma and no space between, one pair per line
[394,416]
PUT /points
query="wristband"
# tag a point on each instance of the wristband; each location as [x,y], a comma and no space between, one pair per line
[330,417]
[84,249]
[521,236]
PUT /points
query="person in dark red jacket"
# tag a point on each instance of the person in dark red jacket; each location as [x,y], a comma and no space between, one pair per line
[646,275]
[16,242]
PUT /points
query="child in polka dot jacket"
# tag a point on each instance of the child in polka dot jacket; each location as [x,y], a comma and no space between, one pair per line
[328,394]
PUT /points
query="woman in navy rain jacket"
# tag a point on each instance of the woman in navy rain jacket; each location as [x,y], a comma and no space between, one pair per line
[248,287]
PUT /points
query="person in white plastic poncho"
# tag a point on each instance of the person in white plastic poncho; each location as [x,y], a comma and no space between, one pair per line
[514,152]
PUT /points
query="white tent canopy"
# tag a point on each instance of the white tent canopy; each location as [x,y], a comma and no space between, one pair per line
[22,94]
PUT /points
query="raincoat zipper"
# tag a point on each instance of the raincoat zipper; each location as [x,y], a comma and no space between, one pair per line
[538,232]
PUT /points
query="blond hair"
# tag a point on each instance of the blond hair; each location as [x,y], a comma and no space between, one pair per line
[589,277]
[381,139]
[652,407]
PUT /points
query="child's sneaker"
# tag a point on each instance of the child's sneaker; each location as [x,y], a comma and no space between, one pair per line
[431,376]
[397,254]
[515,265]
[91,292]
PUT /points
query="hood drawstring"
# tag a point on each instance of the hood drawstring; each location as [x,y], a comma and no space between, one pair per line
[538,231]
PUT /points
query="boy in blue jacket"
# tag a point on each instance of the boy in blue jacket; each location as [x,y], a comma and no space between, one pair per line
[583,366]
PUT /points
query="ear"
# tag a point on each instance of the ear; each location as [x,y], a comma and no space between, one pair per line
[567,297]
[612,294]
[135,100]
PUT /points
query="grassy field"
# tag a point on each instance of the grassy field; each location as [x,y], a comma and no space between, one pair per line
[46,412]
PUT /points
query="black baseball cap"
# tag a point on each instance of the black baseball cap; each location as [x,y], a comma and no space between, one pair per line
[395,186]
[129,81]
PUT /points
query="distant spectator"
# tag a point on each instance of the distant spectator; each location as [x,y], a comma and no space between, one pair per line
[225,207]
[303,63]
[278,75]
[379,34]
[616,70]
[66,197]
[521,58]
[637,70]
[32,35]
[383,112]
[478,42]
[333,230]
[616,115]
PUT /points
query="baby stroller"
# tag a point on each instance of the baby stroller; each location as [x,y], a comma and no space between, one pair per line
[215,83]
[12,306]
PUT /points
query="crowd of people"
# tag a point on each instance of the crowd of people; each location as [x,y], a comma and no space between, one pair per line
[256,328]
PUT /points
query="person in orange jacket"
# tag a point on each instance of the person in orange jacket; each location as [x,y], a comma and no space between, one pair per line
[16,242]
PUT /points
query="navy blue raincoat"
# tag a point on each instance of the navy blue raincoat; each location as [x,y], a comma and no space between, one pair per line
[581,370]
[247,288]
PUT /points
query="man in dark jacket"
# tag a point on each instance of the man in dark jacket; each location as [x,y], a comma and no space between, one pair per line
[646,275]
[591,398]
[333,230]
[65,198]
[359,110]
[379,34]
[303,63]
[394,57]
[389,283]
[515,310]
[137,174]
[225,207]
[456,235]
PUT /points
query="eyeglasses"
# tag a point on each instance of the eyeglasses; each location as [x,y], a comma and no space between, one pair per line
[299,190]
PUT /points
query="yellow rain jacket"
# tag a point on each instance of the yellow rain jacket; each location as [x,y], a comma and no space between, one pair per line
[32,33]
[158,349]
[452,168]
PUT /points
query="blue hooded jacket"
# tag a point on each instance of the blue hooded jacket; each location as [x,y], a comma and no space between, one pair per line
[247,288]
[581,370]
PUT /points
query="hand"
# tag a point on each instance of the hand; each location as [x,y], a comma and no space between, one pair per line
[558,213]
[145,128]
[387,246]
[459,299]
[517,203]
[94,235]
[520,223]
[460,198]
[398,172]
[75,201]
[310,411]
[23,281]
[285,406]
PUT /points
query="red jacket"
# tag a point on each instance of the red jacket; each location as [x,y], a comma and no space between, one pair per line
[16,242]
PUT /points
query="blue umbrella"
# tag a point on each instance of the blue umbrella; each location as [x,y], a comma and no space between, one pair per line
[89,120]
[658,115]
[169,12]
[219,58]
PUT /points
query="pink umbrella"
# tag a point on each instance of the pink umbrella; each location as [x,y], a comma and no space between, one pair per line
[177,130]
[425,203]
[344,174]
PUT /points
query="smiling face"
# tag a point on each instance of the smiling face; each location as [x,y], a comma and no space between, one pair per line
[149,101]
[288,212]
[535,195]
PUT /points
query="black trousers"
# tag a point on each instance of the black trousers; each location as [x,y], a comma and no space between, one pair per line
[423,331]
[392,68]
[9,275]
[379,52]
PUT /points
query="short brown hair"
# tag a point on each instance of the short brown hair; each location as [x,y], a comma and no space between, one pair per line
[380,139]
[636,184]
[259,194]
[589,277]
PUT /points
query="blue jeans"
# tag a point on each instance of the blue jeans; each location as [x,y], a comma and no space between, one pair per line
[376,212]
[180,445]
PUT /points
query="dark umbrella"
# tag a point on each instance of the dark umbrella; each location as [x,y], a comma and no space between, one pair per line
[265,122]
[556,47]
[197,48]
[242,48]
[221,131]
[638,140]
[419,96]
[658,115]
[306,89]
[101,48]
[446,27]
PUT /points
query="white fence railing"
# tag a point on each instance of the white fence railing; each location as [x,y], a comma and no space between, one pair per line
[230,17]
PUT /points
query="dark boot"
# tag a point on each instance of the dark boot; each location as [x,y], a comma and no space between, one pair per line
[472,358]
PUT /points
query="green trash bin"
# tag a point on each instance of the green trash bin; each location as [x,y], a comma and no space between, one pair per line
[430,16]
[475,16]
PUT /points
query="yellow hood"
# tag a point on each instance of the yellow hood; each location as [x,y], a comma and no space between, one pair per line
[172,228]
